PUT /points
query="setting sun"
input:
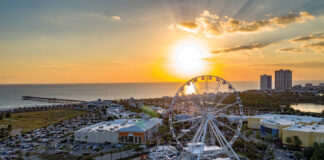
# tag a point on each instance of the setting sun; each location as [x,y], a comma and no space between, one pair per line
[189,58]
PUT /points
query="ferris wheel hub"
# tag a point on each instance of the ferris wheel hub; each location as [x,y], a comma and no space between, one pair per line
[208,116]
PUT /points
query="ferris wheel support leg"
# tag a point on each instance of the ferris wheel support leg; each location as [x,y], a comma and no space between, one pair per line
[194,140]
[203,139]
[199,132]
[228,145]
[219,139]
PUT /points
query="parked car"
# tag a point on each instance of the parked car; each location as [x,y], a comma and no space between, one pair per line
[119,145]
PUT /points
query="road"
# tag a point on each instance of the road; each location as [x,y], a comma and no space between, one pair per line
[116,156]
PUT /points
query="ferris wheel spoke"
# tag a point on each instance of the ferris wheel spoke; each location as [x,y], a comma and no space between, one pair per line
[195,87]
[203,140]
[186,120]
[190,129]
[198,133]
[223,98]
[217,89]
[223,124]
[228,146]
[206,84]
[226,107]
[221,143]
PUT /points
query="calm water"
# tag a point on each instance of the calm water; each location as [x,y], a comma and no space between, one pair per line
[308,107]
[10,95]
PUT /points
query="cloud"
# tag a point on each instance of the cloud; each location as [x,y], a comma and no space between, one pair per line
[314,42]
[317,47]
[241,48]
[319,36]
[212,25]
[291,49]
[116,18]
[188,26]
[104,17]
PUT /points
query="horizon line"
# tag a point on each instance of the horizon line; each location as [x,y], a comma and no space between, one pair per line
[59,83]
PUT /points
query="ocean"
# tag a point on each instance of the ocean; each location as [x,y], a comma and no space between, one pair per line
[10,95]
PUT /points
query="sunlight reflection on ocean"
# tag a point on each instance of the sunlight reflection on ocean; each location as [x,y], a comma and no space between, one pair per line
[10,95]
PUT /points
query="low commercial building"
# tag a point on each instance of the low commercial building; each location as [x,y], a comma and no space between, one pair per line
[274,124]
[254,121]
[141,132]
[308,134]
[120,112]
[120,130]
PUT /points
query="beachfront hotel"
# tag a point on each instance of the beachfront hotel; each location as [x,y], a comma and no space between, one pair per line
[283,79]
[265,82]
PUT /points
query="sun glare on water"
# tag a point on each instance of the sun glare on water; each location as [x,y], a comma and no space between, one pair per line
[189,58]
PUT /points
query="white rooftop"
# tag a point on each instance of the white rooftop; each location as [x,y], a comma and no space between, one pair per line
[122,124]
[306,128]
[280,121]
[282,118]
[110,126]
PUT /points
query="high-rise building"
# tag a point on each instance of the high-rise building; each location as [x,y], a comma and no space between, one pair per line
[283,79]
[265,82]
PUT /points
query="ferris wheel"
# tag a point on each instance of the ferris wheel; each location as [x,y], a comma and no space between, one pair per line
[205,118]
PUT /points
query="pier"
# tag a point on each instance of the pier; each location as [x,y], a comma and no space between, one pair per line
[52,100]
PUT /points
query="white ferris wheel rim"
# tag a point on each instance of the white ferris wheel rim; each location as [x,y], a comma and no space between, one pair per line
[238,100]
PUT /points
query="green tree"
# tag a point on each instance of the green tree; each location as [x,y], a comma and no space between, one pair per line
[257,135]
[268,138]
[1,115]
[86,137]
[318,154]
[163,130]
[316,146]
[270,153]
[248,132]
[251,153]
[8,115]
[288,140]
[297,141]
[9,128]
[87,158]
[101,154]
[308,152]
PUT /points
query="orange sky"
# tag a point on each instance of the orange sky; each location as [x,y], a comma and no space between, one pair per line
[112,42]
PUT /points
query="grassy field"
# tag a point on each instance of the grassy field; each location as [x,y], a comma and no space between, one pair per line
[149,111]
[27,121]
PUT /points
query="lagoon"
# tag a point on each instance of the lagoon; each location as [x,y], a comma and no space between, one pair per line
[308,107]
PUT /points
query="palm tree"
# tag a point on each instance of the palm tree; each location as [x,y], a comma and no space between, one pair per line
[86,137]
[297,141]
[288,140]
